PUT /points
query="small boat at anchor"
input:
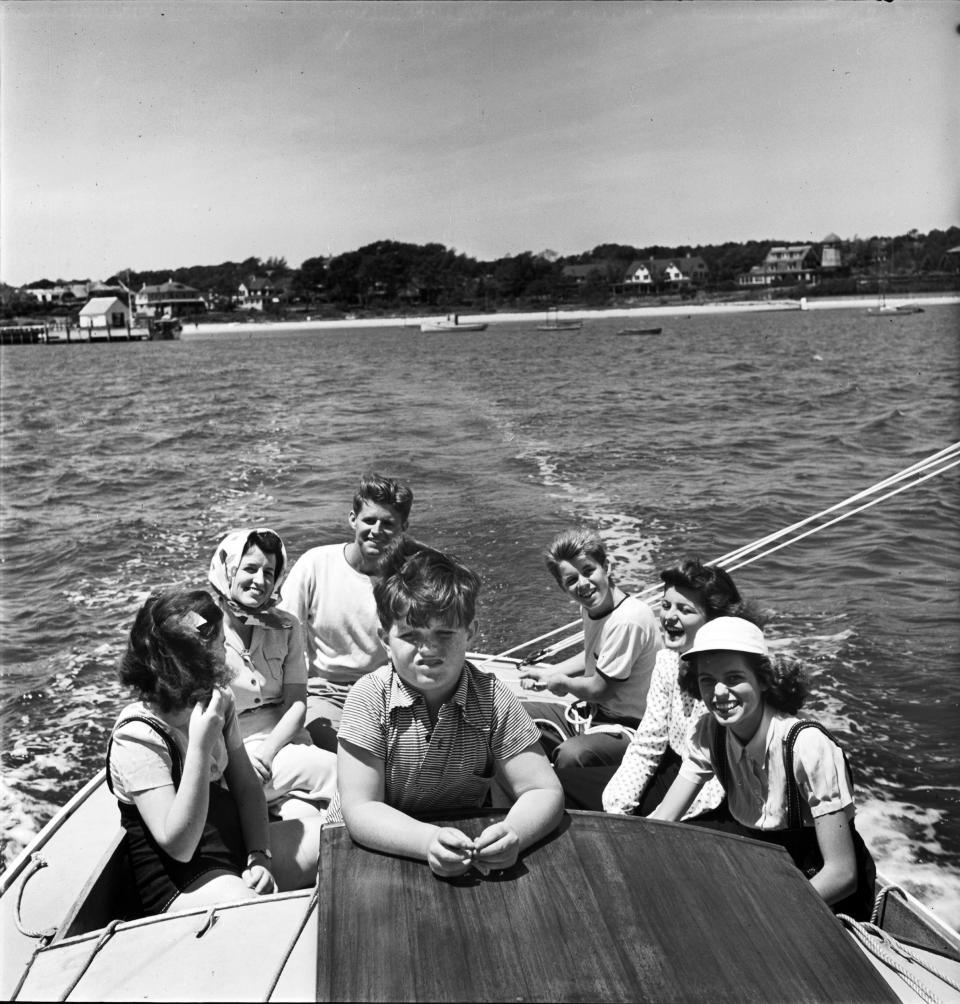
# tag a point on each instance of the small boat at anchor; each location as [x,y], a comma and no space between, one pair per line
[164,329]
[452,322]
[884,309]
[639,331]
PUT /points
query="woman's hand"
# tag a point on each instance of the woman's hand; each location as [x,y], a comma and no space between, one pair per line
[206,722]
[263,766]
[260,879]
[497,847]
[450,852]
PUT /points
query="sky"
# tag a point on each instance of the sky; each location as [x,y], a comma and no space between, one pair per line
[147,135]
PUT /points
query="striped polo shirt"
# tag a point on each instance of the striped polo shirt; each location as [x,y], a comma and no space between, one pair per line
[435,768]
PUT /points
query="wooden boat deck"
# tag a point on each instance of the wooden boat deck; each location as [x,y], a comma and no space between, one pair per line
[609,908]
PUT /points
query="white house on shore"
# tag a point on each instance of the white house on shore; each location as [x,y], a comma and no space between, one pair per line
[169,299]
[104,313]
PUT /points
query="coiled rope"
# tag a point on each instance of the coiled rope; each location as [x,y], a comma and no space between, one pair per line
[910,477]
[44,936]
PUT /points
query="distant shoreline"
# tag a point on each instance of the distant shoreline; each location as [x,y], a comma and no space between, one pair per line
[669,310]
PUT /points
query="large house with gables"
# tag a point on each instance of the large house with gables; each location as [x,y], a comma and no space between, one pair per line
[169,299]
[795,263]
[665,274]
[257,291]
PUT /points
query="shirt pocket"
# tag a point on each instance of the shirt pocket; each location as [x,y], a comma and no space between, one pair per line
[274,651]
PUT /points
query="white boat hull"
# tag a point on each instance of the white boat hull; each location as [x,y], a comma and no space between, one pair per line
[451,326]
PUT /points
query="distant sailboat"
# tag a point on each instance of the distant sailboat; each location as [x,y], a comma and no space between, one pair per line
[889,309]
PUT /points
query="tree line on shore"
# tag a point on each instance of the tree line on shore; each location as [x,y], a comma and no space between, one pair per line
[395,276]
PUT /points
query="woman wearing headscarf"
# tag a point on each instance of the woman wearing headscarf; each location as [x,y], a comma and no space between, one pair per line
[264,653]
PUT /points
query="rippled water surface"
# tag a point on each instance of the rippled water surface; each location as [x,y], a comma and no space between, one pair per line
[123,464]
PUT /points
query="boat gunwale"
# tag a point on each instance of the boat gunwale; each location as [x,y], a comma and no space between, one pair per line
[171,915]
[14,870]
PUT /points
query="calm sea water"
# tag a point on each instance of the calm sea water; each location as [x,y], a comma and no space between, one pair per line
[123,464]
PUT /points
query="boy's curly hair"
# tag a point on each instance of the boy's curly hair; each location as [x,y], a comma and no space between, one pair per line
[783,680]
[419,584]
[168,662]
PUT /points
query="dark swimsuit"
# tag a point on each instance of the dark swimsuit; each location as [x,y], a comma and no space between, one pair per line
[798,840]
[159,877]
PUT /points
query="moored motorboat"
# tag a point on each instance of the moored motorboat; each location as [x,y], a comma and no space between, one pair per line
[164,329]
[639,331]
[452,322]
[888,309]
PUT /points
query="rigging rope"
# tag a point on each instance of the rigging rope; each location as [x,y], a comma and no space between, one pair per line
[921,471]
[885,948]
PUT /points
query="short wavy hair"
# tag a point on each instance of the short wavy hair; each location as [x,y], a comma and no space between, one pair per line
[169,663]
[384,491]
[270,543]
[419,584]
[713,587]
[570,544]
[783,680]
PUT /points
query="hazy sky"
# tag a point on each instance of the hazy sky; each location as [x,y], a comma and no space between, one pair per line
[151,135]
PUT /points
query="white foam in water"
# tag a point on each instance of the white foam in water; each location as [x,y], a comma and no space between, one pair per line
[19,822]
[630,545]
[897,835]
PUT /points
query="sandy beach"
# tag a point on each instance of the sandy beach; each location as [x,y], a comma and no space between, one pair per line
[634,313]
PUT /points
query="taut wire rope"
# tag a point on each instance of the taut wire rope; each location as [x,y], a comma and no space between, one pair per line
[937,463]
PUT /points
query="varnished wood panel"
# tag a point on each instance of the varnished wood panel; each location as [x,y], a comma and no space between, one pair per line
[607,909]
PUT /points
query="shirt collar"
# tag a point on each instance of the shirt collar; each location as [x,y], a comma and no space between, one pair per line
[758,744]
[465,696]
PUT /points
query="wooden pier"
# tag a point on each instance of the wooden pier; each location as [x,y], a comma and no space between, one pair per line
[59,334]
[23,334]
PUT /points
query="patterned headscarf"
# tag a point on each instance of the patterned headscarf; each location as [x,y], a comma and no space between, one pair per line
[223,570]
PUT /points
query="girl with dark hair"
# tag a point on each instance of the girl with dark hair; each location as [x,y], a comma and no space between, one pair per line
[693,593]
[786,778]
[268,674]
[191,804]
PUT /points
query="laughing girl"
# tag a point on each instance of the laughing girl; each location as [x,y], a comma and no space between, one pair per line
[786,778]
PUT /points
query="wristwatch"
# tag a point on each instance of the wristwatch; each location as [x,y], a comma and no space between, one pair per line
[265,853]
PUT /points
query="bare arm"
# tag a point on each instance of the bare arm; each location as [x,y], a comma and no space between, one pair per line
[564,678]
[251,805]
[677,800]
[536,811]
[837,878]
[373,823]
[176,817]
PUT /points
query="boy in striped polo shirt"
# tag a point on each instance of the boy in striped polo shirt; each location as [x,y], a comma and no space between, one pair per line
[427,733]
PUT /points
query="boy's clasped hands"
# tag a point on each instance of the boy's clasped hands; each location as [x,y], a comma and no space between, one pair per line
[452,852]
